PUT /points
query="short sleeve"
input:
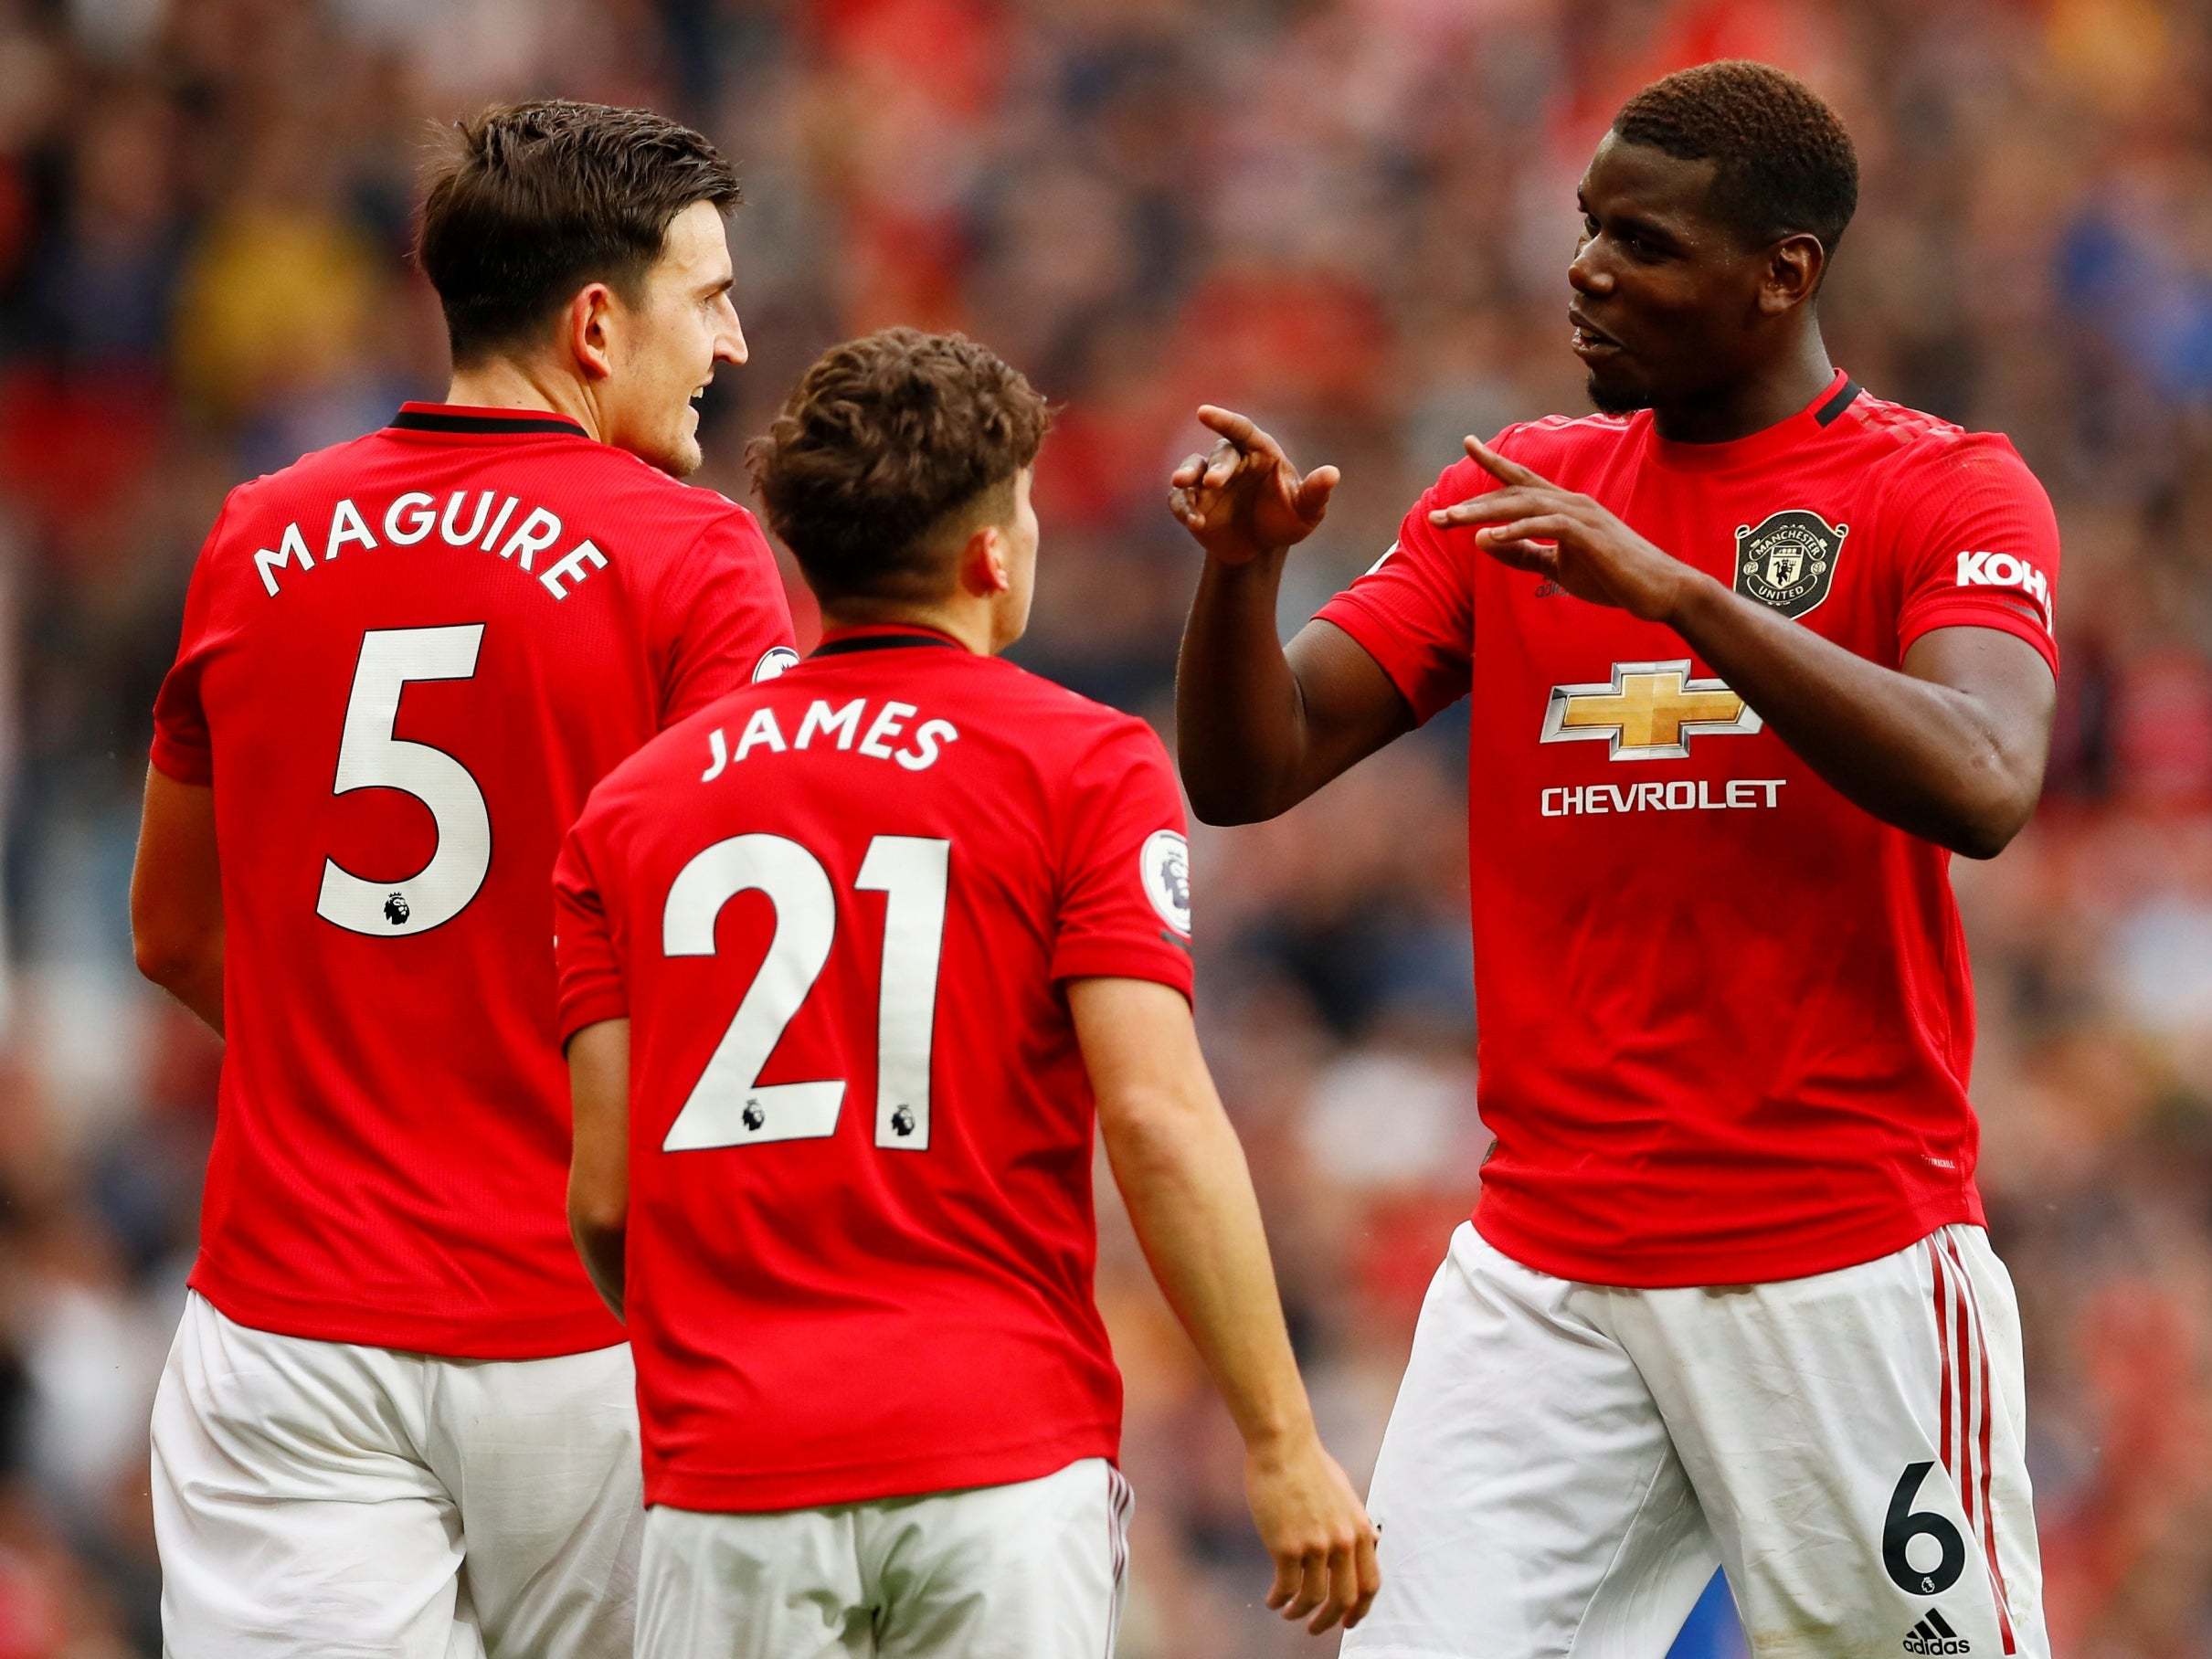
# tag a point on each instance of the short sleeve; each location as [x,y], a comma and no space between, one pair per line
[1414,611]
[585,956]
[183,748]
[724,620]
[1982,546]
[1125,880]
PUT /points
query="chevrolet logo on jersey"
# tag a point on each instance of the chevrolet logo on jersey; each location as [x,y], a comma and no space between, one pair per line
[1647,711]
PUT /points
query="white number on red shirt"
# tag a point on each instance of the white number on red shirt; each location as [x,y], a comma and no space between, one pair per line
[729,1105]
[370,758]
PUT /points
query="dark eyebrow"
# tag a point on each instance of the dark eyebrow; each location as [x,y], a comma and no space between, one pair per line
[723,286]
[1629,224]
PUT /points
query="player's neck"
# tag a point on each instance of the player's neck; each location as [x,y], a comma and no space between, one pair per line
[1766,398]
[500,382]
[971,624]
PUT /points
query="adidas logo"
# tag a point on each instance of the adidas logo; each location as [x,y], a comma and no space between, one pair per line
[1933,1635]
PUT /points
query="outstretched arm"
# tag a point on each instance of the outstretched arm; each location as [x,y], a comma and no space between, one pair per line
[1258,728]
[1951,748]
[1183,1174]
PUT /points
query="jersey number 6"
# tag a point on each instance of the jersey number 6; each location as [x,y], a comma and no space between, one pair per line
[729,1105]
[1903,1523]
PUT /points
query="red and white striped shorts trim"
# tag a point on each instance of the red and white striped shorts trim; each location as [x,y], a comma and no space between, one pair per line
[1963,1430]
[1121,1504]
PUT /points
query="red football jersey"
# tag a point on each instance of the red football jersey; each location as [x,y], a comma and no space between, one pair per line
[406,661]
[1726,1018]
[838,910]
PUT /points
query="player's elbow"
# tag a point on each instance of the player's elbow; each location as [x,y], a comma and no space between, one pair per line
[170,955]
[1221,812]
[1996,801]
[1212,801]
[1223,801]
[1152,1131]
[1986,833]
[598,1208]
[156,956]
[597,1219]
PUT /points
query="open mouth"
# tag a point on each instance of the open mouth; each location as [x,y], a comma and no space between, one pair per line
[1589,341]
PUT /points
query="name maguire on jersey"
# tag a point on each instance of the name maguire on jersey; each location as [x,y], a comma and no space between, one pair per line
[408,519]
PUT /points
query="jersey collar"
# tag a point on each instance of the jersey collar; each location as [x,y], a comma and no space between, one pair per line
[879,637]
[1801,428]
[464,420]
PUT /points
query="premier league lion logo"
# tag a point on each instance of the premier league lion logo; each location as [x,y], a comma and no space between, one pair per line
[1175,876]
[1164,866]
[397,910]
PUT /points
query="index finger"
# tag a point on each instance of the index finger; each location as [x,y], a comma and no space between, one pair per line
[1499,467]
[1237,428]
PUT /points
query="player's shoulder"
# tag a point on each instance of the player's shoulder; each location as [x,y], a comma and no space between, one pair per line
[635,489]
[1080,753]
[634,479]
[1551,444]
[1911,448]
[319,476]
[1060,712]
[1555,437]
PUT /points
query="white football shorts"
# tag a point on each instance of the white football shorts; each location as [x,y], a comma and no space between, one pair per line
[1032,1570]
[1568,1462]
[320,1500]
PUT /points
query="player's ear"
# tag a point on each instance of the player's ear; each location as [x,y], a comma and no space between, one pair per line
[589,325]
[984,565]
[1793,273]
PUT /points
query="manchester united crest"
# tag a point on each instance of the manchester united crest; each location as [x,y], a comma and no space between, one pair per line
[1787,560]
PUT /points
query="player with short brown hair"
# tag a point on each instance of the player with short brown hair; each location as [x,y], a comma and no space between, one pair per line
[396,1419]
[855,967]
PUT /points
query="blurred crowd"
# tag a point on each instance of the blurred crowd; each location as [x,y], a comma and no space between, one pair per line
[1349,218]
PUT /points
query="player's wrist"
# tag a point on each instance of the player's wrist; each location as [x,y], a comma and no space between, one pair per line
[1245,555]
[1689,600]
[1277,1436]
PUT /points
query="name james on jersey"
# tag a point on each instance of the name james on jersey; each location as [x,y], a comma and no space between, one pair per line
[844,723]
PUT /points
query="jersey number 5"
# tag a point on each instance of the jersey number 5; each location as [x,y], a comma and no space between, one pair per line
[729,1105]
[370,758]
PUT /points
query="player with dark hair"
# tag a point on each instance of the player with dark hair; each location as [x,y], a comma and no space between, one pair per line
[1752,653]
[396,1419]
[851,963]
